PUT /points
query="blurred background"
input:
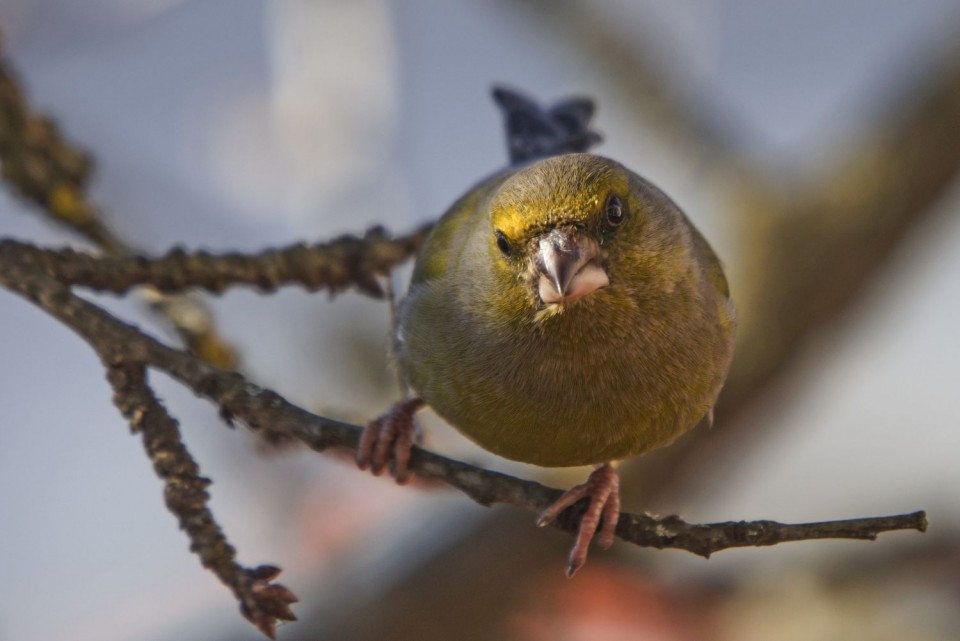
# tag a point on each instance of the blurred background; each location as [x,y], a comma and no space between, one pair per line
[815,143]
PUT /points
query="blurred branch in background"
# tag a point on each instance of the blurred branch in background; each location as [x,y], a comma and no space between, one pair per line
[808,252]
[46,169]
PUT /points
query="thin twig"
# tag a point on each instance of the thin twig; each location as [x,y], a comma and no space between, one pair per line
[263,603]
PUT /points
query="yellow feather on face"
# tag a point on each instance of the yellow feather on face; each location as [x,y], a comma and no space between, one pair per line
[632,361]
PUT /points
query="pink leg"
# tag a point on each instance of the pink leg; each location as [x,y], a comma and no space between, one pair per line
[394,432]
[603,488]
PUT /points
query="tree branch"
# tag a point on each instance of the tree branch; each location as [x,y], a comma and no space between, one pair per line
[237,398]
[334,266]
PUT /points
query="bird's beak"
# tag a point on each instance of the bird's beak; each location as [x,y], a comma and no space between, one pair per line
[567,267]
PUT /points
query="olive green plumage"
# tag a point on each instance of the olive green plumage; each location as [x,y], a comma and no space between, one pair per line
[614,373]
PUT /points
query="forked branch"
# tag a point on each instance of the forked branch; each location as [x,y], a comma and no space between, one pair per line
[122,346]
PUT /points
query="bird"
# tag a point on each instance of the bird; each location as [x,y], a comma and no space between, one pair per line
[562,312]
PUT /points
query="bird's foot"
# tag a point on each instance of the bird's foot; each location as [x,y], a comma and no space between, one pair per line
[603,488]
[392,431]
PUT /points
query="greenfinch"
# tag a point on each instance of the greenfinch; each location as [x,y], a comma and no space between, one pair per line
[564,312]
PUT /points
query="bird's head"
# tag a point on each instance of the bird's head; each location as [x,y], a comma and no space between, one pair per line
[556,225]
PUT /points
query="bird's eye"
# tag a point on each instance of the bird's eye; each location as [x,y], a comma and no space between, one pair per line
[502,243]
[614,210]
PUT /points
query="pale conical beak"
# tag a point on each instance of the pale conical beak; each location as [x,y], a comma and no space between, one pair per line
[567,268]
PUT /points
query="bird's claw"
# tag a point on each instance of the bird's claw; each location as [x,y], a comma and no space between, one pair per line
[603,488]
[393,431]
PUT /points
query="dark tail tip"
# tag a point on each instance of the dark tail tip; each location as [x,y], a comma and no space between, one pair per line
[535,132]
